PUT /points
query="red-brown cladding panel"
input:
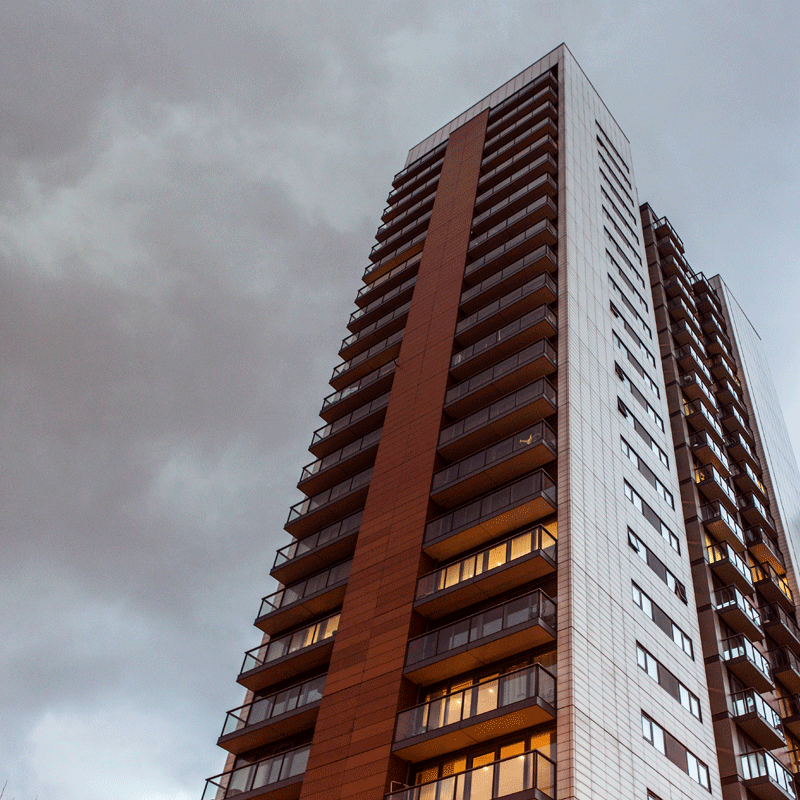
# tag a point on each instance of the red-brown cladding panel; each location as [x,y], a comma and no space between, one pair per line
[350,756]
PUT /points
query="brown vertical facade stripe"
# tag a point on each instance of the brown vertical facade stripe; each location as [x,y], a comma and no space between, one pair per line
[351,752]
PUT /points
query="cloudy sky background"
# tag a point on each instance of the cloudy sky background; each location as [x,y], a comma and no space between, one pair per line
[188,194]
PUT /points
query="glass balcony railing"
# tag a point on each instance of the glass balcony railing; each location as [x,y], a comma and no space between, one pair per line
[416,171]
[529,173]
[498,555]
[722,551]
[735,440]
[513,111]
[783,659]
[383,345]
[517,218]
[708,473]
[342,454]
[749,701]
[702,439]
[730,597]
[400,219]
[274,705]
[258,775]
[348,419]
[772,614]
[766,572]
[507,200]
[513,687]
[737,646]
[697,408]
[663,227]
[528,132]
[504,450]
[392,275]
[357,386]
[545,162]
[406,230]
[750,502]
[495,373]
[741,469]
[526,772]
[535,606]
[543,228]
[500,408]
[498,502]
[384,298]
[762,764]
[297,591]
[329,495]
[715,512]
[534,318]
[291,643]
[375,326]
[331,533]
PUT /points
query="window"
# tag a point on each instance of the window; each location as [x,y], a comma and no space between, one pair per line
[666,680]
[651,412]
[656,564]
[629,305]
[657,614]
[621,253]
[652,517]
[643,349]
[669,746]
[634,458]
[626,280]
[633,360]
[651,443]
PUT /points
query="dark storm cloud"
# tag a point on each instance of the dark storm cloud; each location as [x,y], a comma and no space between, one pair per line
[187,197]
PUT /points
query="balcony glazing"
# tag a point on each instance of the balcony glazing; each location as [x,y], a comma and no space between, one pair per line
[747,662]
[763,774]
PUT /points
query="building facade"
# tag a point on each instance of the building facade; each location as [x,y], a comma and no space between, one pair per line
[547,542]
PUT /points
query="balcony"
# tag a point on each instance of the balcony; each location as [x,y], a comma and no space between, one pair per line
[391,299]
[738,612]
[315,552]
[700,419]
[300,602]
[722,369]
[684,334]
[376,383]
[333,468]
[715,487]
[757,719]
[722,524]
[726,392]
[278,777]
[537,211]
[505,310]
[501,418]
[536,266]
[416,227]
[543,136]
[502,202]
[712,321]
[696,388]
[530,776]
[399,220]
[522,332]
[405,252]
[518,110]
[376,356]
[398,206]
[673,263]
[523,502]
[525,178]
[415,169]
[506,565]
[755,513]
[707,451]
[276,716]
[516,700]
[502,378]
[718,344]
[680,311]
[747,663]
[664,230]
[380,285]
[357,342]
[690,359]
[677,285]
[790,714]
[766,777]
[774,587]
[289,655]
[526,159]
[520,453]
[740,449]
[326,507]
[734,422]
[786,667]
[706,295]
[350,426]
[780,626]
[764,548]
[542,233]
[746,479]
[483,638]
[729,567]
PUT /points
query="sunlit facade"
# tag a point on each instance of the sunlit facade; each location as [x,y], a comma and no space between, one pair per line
[547,542]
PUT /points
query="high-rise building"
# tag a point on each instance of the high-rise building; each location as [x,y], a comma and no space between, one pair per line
[547,542]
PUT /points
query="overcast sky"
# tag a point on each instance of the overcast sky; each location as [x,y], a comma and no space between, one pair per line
[188,194]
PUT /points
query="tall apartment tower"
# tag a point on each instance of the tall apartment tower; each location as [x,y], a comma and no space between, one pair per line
[547,542]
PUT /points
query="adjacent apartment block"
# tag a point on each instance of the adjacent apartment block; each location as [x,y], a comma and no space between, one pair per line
[551,515]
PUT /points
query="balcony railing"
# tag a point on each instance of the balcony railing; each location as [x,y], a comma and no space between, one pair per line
[730,566]
[771,584]
[729,598]
[258,775]
[533,606]
[297,591]
[498,555]
[743,471]
[513,687]
[274,705]
[714,484]
[701,440]
[343,489]
[715,514]
[697,411]
[357,386]
[748,702]
[341,455]
[515,196]
[387,345]
[391,276]
[331,533]
[378,303]
[348,419]
[291,643]
[739,651]
[527,772]
[393,316]
[762,764]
